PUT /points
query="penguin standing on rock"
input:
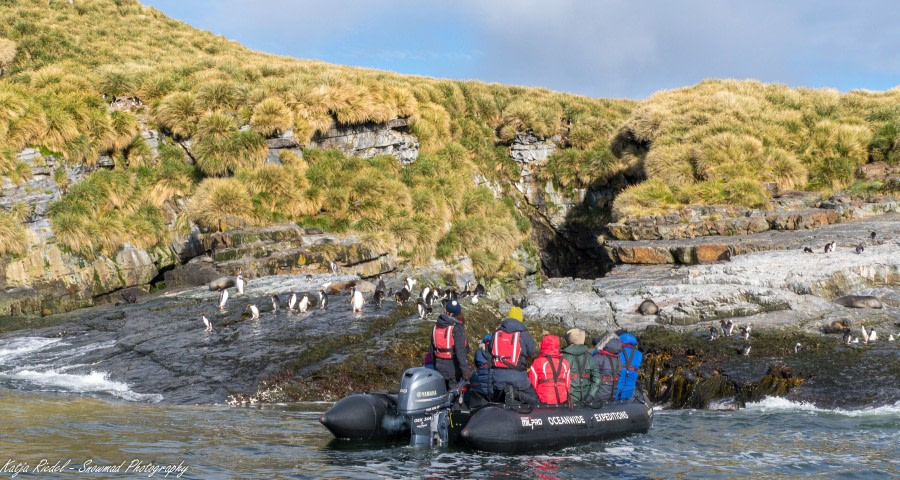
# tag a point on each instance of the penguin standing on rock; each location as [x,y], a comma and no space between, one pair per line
[254,312]
[798,347]
[746,350]
[845,339]
[807,250]
[421,308]
[829,247]
[727,327]
[323,300]
[745,332]
[333,267]
[860,249]
[713,333]
[403,295]
[239,283]
[378,298]
[207,323]
[872,235]
[304,303]
[356,300]
[223,298]
[292,302]
[275,301]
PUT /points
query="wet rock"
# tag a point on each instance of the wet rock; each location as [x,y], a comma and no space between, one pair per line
[528,148]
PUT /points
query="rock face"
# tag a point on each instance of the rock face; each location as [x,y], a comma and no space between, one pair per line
[778,287]
[529,149]
[711,249]
[370,139]
[40,190]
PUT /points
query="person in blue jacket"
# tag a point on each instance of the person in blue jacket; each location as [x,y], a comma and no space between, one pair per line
[631,359]
[481,380]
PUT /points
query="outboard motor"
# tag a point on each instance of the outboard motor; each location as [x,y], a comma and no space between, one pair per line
[425,403]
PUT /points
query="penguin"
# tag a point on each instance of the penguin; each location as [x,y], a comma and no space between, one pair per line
[807,250]
[323,300]
[429,298]
[891,338]
[292,302]
[798,347]
[475,299]
[713,333]
[865,335]
[223,297]
[425,292]
[333,266]
[303,306]
[872,235]
[745,332]
[829,247]
[207,323]
[479,290]
[727,327]
[420,306]
[275,301]
[403,295]
[846,337]
[854,341]
[239,283]
[872,335]
[860,249]
[378,298]
[746,350]
[309,277]
[381,286]
[356,300]
[254,312]
[410,283]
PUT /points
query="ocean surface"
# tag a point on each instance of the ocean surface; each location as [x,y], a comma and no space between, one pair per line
[775,438]
[62,410]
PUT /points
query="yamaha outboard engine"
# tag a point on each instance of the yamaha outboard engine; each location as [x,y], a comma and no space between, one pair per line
[425,403]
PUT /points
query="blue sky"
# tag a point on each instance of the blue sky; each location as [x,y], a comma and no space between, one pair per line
[592,47]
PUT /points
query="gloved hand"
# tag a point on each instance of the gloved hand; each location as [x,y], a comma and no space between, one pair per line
[467,375]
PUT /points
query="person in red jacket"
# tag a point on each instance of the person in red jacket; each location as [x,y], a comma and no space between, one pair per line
[549,374]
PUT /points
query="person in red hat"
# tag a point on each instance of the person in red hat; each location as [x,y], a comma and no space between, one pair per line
[549,374]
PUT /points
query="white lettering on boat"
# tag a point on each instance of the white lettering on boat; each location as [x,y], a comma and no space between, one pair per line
[605,417]
[531,422]
[566,420]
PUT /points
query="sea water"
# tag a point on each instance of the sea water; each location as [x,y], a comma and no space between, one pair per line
[775,438]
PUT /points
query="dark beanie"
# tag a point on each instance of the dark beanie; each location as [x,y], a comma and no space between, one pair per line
[454,307]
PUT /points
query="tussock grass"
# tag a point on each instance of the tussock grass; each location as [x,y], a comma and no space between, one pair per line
[13,236]
[216,199]
[727,131]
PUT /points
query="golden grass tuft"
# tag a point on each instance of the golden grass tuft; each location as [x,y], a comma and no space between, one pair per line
[217,199]
[13,236]
[179,113]
[271,117]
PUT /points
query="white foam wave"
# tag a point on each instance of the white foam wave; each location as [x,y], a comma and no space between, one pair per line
[779,404]
[94,382]
[17,347]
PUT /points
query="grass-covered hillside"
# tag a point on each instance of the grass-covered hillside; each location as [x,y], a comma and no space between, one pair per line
[64,63]
[714,143]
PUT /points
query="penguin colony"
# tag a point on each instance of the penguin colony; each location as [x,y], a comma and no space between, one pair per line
[300,302]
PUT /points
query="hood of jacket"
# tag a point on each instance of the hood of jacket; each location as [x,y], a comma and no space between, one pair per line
[445,320]
[628,338]
[550,346]
[511,325]
[614,345]
[575,350]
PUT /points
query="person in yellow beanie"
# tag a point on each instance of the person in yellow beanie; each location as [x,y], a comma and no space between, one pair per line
[512,347]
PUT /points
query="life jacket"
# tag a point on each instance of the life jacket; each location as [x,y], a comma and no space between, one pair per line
[506,349]
[631,359]
[553,389]
[443,342]
[609,362]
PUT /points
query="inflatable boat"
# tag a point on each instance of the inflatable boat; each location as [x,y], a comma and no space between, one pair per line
[429,415]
